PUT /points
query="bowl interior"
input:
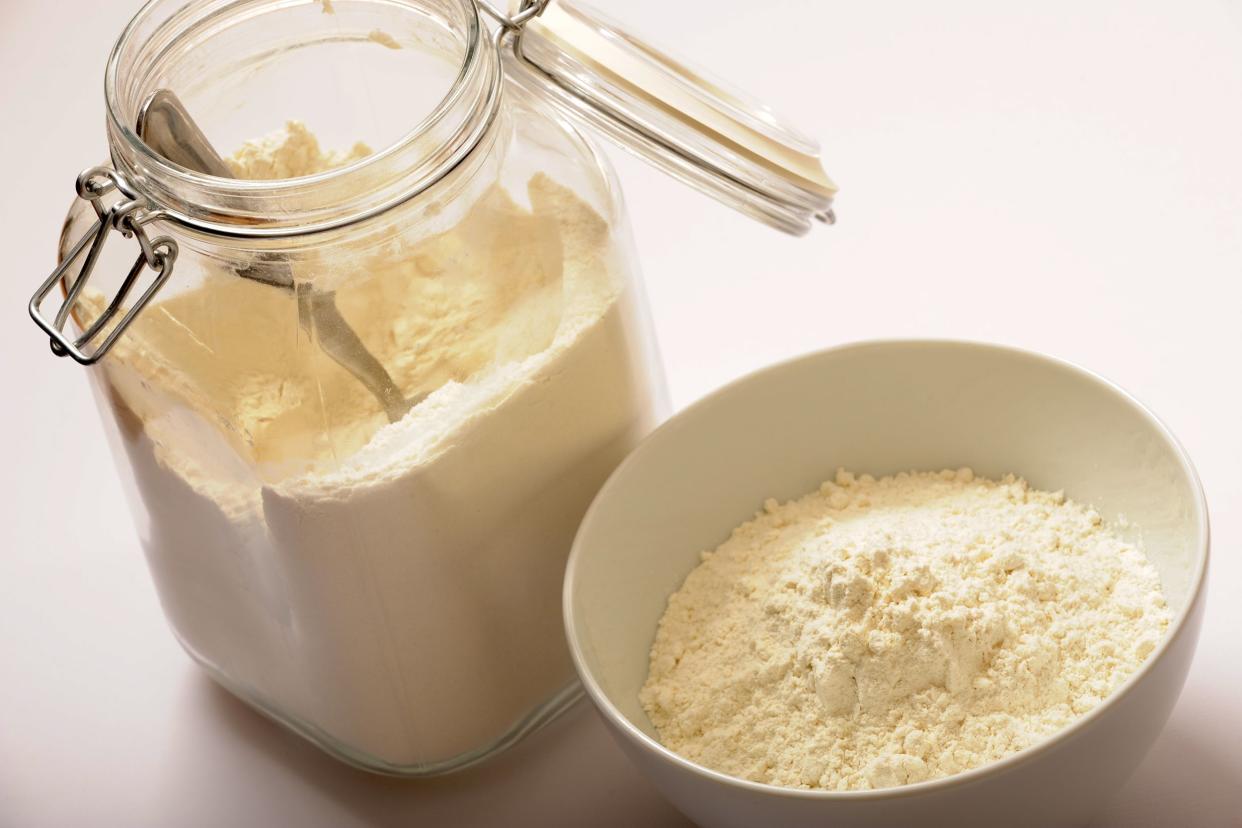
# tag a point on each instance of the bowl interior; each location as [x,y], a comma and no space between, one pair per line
[880,408]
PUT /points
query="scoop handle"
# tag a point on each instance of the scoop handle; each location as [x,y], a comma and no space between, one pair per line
[166,127]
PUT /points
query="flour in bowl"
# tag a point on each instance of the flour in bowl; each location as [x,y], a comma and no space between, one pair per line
[884,632]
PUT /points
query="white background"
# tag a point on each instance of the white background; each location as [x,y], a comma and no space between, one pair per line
[1060,176]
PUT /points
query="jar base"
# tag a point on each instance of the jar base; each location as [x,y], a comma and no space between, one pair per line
[536,719]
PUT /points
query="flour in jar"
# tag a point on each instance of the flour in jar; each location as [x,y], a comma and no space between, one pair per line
[390,588]
[884,632]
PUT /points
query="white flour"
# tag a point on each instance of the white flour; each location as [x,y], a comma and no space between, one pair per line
[883,632]
[393,586]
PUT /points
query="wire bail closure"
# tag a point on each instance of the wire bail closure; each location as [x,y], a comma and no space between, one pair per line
[528,10]
[129,216]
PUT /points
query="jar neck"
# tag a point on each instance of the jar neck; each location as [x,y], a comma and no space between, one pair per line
[443,146]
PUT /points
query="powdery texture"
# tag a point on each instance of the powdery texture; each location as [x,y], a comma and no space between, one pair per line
[884,632]
[392,586]
[290,152]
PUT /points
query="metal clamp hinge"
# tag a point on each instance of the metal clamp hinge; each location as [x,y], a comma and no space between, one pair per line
[128,216]
[529,9]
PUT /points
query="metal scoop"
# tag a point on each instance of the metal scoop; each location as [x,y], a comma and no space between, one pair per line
[166,127]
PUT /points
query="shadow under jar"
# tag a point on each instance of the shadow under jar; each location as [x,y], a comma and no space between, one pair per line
[379,570]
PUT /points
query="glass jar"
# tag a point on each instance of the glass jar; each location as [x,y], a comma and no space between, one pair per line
[366,373]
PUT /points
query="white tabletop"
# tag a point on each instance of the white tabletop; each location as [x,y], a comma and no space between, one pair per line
[1060,176]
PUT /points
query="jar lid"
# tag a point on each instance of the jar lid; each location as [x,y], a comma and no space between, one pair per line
[698,129]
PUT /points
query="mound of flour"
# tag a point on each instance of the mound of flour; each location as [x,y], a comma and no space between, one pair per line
[883,632]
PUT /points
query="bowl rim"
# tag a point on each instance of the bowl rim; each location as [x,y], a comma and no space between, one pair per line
[646,743]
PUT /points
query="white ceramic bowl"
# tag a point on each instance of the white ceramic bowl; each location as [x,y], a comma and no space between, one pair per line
[884,407]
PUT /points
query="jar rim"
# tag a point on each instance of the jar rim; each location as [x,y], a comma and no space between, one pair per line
[178,194]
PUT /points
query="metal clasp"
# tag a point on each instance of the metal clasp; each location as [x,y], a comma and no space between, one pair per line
[129,217]
[528,10]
